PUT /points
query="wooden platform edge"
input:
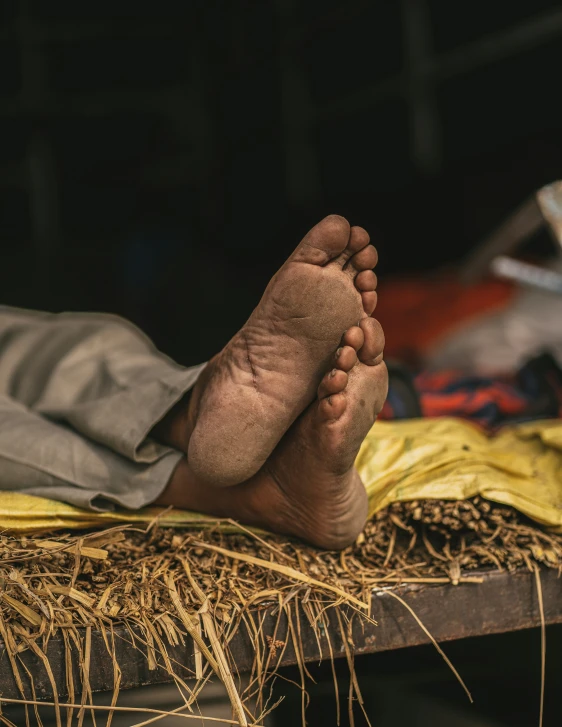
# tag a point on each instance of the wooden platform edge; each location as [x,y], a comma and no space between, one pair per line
[502,602]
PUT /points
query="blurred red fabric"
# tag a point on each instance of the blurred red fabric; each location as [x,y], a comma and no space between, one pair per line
[416,312]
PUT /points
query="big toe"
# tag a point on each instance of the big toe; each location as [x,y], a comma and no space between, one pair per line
[324,242]
[371,352]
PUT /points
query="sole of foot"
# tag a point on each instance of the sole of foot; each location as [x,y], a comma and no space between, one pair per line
[251,393]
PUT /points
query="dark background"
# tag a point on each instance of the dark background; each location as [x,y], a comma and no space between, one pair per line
[160,159]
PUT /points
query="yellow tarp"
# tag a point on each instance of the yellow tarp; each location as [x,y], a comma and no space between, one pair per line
[450,459]
[410,460]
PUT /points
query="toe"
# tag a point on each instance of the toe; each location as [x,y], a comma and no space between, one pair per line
[366,280]
[346,358]
[369,299]
[332,407]
[325,242]
[358,241]
[353,337]
[365,259]
[371,353]
[333,383]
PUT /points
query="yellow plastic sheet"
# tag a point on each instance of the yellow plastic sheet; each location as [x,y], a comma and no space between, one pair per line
[411,460]
[450,459]
[27,513]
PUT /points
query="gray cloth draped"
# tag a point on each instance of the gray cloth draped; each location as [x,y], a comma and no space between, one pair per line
[79,394]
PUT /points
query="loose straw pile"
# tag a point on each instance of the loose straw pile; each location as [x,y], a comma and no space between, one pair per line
[208,583]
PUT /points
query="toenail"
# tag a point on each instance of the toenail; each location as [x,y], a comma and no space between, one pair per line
[333,373]
[338,352]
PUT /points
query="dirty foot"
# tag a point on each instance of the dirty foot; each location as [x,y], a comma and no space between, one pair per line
[319,494]
[309,487]
[251,393]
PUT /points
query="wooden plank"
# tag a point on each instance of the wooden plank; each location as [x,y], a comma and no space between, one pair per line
[502,602]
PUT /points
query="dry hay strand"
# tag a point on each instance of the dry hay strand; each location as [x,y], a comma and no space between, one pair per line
[158,588]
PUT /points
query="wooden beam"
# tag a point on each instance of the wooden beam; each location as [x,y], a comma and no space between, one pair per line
[502,602]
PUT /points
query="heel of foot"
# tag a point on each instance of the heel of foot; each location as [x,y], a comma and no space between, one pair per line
[216,471]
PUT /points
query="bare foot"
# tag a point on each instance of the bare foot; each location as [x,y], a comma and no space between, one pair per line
[251,393]
[309,486]
[320,495]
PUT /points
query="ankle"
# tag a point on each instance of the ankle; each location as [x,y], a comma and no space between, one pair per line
[176,427]
[173,429]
